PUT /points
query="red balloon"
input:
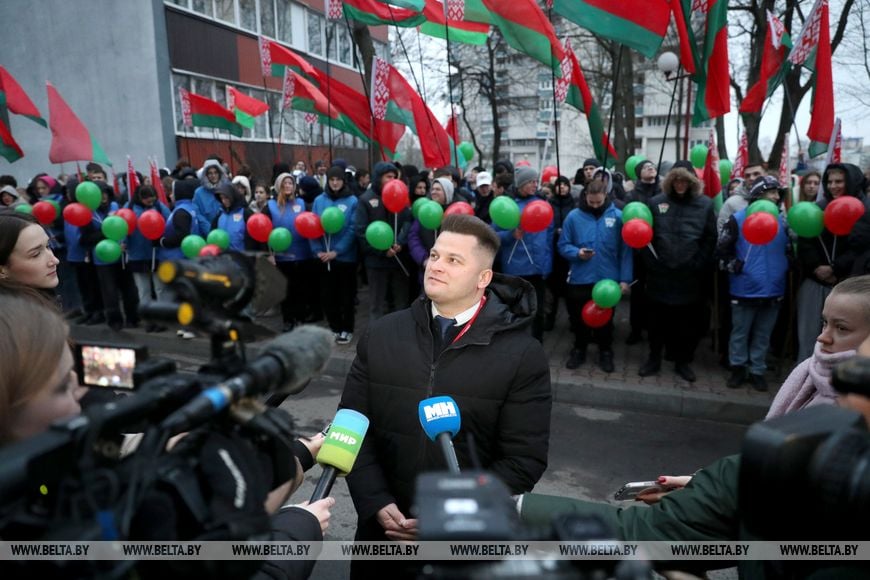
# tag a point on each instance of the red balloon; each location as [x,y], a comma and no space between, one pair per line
[77,214]
[459,208]
[395,195]
[308,225]
[44,212]
[594,316]
[636,233]
[209,250]
[523,163]
[259,227]
[840,215]
[536,217]
[129,216]
[549,172]
[760,228]
[152,224]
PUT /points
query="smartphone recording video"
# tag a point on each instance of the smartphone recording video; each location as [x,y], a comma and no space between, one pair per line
[108,366]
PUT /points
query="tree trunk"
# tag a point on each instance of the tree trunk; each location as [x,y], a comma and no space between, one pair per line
[720,138]
[493,102]
[623,102]
[795,94]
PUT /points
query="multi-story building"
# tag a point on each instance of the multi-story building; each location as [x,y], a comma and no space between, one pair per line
[119,65]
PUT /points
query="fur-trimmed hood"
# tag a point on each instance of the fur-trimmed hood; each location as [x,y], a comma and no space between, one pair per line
[695,186]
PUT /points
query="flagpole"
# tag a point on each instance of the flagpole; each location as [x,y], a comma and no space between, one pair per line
[792,111]
[271,125]
[329,88]
[613,104]
[553,79]
[449,83]
[365,85]
[232,163]
[668,121]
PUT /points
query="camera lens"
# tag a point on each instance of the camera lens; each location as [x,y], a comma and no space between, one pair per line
[840,481]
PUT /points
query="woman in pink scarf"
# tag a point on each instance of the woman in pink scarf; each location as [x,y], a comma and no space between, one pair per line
[845,325]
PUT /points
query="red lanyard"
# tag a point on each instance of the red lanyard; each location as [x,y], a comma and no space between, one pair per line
[471,321]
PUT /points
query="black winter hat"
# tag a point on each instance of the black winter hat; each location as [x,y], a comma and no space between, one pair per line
[591,161]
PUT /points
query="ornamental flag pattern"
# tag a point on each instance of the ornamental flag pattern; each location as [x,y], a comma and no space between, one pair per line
[564,83]
[289,88]
[265,56]
[380,91]
[809,37]
[186,115]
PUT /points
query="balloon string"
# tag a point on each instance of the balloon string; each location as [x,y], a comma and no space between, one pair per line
[748,252]
[153,257]
[396,229]
[512,251]
[328,262]
[834,251]
[633,283]
[825,249]
[653,250]
[401,265]
[527,251]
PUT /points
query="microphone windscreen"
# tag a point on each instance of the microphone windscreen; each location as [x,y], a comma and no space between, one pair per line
[343,440]
[303,352]
[439,415]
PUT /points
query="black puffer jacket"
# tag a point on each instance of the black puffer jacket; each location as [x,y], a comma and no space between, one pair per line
[371,208]
[644,192]
[684,241]
[497,373]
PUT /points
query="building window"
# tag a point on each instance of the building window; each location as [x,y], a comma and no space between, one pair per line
[267,18]
[284,19]
[225,10]
[315,33]
[204,7]
[331,41]
[182,3]
[344,46]
[179,81]
[248,14]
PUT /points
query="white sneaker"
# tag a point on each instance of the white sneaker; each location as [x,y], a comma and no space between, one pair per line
[185,334]
[344,337]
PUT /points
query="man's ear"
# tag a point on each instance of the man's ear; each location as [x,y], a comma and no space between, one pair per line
[484,279]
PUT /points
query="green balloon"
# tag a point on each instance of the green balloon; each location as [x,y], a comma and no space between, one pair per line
[764,205]
[379,235]
[191,245]
[467,150]
[505,212]
[606,293]
[332,220]
[717,202]
[698,156]
[108,251]
[725,167]
[89,194]
[631,164]
[114,228]
[219,238]
[24,208]
[430,215]
[806,219]
[636,209]
[420,202]
[280,239]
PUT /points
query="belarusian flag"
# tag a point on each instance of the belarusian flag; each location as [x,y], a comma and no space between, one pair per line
[13,98]
[245,107]
[638,25]
[301,95]
[281,56]
[132,179]
[415,5]
[742,159]
[157,183]
[689,57]
[526,28]
[374,13]
[394,100]
[712,182]
[816,37]
[9,149]
[70,139]
[784,171]
[578,95]
[441,24]
[714,78]
[263,45]
[774,67]
[835,147]
[198,111]
[452,126]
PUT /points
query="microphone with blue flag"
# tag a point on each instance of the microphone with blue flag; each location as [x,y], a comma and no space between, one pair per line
[440,419]
[344,439]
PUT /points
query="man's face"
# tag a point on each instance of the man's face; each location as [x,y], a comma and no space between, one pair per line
[528,189]
[595,200]
[648,173]
[321,170]
[387,177]
[836,183]
[750,174]
[364,181]
[213,175]
[770,195]
[336,183]
[456,270]
[588,171]
[681,186]
[97,176]
[483,190]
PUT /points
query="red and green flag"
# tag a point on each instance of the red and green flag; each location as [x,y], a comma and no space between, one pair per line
[13,98]
[394,100]
[70,139]
[198,111]
[527,29]
[301,95]
[447,20]
[374,13]
[712,181]
[638,25]
[742,158]
[690,58]
[246,108]
[774,65]
[815,39]
[9,149]
[452,126]
[577,94]
[713,77]
[415,5]
[157,183]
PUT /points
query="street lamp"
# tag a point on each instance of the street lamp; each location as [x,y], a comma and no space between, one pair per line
[669,64]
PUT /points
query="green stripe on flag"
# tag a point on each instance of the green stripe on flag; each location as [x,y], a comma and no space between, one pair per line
[456,34]
[215,122]
[606,24]
[373,20]
[99,156]
[244,119]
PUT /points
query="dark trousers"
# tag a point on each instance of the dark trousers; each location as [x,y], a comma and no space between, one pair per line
[540,286]
[298,274]
[639,303]
[557,283]
[676,328]
[88,287]
[384,281]
[576,296]
[338,291]
[117,285]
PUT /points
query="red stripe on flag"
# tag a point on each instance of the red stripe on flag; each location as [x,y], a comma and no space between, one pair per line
[70,139]
[718,95]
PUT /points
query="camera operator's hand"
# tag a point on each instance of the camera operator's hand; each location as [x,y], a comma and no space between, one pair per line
[396,525]
[313,443]
[320,510]
[670,482]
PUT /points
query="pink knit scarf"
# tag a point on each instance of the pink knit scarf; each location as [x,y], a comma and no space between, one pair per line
[809,383]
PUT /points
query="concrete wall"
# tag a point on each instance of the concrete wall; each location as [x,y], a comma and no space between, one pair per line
[109,61]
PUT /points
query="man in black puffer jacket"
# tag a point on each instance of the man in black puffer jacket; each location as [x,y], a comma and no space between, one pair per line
[484,358]
[684,243]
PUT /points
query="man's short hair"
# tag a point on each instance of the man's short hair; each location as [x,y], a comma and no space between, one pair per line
[469,225]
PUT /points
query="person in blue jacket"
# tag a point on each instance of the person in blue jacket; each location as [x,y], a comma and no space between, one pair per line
[208,206]
[296,262]
[338,256]
[141,252]
[529,256]
[182,221]
[592,243]
[233,219]
[83,266]
[757,277]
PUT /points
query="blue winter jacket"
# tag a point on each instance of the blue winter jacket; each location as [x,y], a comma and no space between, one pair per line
[299,249]
[612,259]
[539,246]
[139,248]
[97,218]
[180,205]
[208,208]
[764,267]
[344,242]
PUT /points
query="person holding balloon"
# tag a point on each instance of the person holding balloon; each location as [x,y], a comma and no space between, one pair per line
[527,248]
[182,221]
[208,206]
[233,219]
[420,238]
[141,252]
[337,251]
[738,198]
[754,247]
[591,242]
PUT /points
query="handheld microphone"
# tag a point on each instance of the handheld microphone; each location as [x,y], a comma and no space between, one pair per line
[342,444]
[287,364]
[440,419]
